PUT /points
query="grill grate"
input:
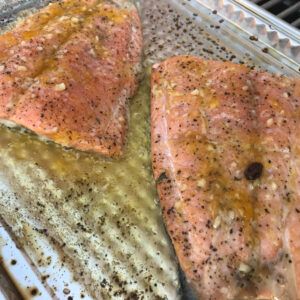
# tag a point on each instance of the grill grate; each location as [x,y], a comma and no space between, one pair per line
[288,10]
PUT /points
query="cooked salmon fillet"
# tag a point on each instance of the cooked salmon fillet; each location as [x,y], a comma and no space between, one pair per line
[225,152]
[67,73]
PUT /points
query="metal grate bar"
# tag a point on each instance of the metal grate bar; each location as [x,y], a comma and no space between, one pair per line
[296,23]
[270,4]
[289,10]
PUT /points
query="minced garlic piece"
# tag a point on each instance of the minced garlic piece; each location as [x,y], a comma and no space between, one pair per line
[274,186]
[60,87]
[74,20]
[244,268]
[195,92]
[285,95]
[231,215]
[21,68]
[92,52]
[201,183]
[217,222]
[270,122]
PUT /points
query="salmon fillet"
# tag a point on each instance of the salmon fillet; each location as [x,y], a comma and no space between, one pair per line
[225,153]
[67,72]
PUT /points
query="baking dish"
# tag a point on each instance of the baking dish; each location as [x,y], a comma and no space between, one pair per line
[75,225]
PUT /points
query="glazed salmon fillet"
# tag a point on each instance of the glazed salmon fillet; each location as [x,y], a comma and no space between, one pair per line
[225,153]
[67,72]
